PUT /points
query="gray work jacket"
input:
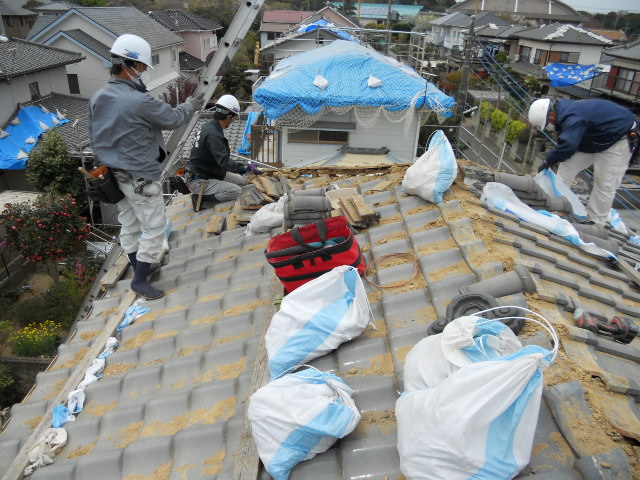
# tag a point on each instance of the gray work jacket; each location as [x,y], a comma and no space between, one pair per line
[126,126]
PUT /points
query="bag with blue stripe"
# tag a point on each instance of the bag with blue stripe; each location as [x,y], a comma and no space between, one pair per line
[463,341]
[477,423]
[316,318]
[434,172]
[319,410]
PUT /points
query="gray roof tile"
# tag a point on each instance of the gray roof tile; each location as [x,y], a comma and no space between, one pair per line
[20,57]
[172,399]
[563,33]
[628,51]
[181,21]
[89,42]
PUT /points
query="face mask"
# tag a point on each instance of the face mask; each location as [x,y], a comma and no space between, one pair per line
[144,77]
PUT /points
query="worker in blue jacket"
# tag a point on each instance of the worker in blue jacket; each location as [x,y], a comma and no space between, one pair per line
[590,132]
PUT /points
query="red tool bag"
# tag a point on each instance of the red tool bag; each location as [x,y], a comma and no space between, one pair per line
[305,253]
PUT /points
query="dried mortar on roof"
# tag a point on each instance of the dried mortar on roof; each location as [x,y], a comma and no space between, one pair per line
[457,269]
[233,338]
[392,238]
[137,341]
[379,329]
[113,369]
[33,422]
[214,463]
[162,473]
[380,365]
[224,409]
[81,451]
[383,421]
[86,336]
[99,410]
[56,388]
[129,434]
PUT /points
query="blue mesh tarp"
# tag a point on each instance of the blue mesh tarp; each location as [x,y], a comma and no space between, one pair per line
[347,67]
[12,145]
[562,75]
[326,25]
[245,149]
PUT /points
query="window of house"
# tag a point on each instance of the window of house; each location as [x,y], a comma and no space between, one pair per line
[213,42]
[155,59]
[74,85]
[174,55]
[271,35]
[540,57]
[319,136]
[34,90]
[628,81]
[525,53]
[10,21]
[564,57]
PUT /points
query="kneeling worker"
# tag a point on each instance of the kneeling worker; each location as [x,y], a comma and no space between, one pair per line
[211,172]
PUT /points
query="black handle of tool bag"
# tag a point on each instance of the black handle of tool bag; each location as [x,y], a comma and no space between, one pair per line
[321,226]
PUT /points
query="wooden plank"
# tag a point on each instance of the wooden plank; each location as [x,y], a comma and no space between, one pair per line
[215,226]
[349,211]
[380,186]
[115,272]
[362,208]
[269,189]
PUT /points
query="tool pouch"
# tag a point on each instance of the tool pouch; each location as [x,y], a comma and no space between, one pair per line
[105,189]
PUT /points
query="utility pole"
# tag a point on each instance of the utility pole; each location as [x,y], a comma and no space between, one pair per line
[386,48]
[466,67]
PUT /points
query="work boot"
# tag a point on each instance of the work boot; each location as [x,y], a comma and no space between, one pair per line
[155,267]
[205,199]
[141,285]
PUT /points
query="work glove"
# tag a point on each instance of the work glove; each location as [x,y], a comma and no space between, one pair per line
[253,168]
[543,166]
[196,102]
[241,169]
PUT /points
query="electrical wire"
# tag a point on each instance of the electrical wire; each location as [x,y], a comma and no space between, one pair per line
[375,261]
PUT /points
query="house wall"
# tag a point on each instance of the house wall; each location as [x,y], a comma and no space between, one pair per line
[198,43]
[520,6]
[17,89]
[300,45]
[93,72]
[17,26]
[383,134]
[588,53]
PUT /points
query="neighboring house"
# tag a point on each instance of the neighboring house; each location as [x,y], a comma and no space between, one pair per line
[379,14]
[332,15]
[616,36]
[534,12]
[16,20]
[275,22]
[30,74]
[304,37]
[556,43]
[199,34]
[345,96]
[448,32]
[622,82]
[498,38]
[92,30]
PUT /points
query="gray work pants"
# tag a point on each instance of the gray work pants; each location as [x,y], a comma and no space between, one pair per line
[228,189]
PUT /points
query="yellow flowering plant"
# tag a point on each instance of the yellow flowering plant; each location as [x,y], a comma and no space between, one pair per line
[36,339]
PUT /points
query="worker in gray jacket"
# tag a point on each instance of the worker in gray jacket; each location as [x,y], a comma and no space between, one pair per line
[126,124]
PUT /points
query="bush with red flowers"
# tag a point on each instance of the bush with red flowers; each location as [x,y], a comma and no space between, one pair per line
[49,229]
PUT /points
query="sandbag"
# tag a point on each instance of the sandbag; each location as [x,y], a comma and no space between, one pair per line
[463,341]
[434,172]
[316,318]
[477,423]
[319,410]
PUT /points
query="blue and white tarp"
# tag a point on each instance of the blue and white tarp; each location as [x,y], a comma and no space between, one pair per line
[562,75]
[347,68]
[23,137]
[322,23]
[245,149]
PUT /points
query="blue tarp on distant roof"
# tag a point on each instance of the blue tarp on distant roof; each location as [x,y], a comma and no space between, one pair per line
[562,75]
[12,145]
[347,68]
[245,149]
[326,25]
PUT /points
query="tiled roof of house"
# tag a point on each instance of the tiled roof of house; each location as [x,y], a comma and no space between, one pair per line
[498,31]
[189,63]
[615,35]
[89,42]
[563,33]
[58,6]
[285,16]
[20,57]
[13,7]
[172,401]
[628,51]
[181,21]
[117,20]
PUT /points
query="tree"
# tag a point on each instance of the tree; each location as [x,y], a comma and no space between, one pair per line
[221,11]
[47,230]
[347,8]
[51,168]
[235,82]
[179,88]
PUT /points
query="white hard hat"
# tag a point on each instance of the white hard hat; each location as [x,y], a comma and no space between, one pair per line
[132,47]
[538,112]
[229,102]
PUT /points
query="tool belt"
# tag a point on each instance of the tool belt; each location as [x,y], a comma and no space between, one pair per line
[103,186]
[138,183]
